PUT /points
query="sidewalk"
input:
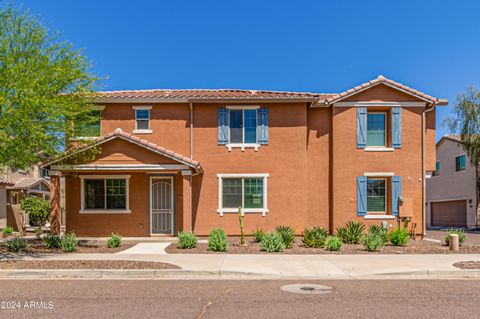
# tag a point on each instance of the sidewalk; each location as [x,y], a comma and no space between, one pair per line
[225,266]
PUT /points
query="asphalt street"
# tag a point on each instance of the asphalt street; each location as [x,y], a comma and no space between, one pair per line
[237,299]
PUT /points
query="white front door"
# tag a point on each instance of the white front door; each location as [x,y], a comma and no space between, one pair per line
[161,205]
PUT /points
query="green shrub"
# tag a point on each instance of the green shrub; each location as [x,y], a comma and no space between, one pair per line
[288,235]
[461,235]
[272,243]
[37,209]
[352,233]
[399,237]
[114,241]
[379,230]
[51,241]
[314,237]
[373,241]
[333,243]
[69,242]
[217,241]
[258,235]
[17,244]
[187,240]
[7,230]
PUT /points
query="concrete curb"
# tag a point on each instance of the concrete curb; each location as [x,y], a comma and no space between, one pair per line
[219,275]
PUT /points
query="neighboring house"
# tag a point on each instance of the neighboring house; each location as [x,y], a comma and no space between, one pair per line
[173,160]
[452,190]
[3,202]
[24,187]
[31,181]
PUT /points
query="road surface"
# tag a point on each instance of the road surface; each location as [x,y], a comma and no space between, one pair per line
[237,299]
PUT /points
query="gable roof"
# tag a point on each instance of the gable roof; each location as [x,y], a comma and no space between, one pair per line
[27,183]
[4,182]
[382,80]
[183,95]
[118,133]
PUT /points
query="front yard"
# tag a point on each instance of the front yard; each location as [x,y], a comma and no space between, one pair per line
[252,247]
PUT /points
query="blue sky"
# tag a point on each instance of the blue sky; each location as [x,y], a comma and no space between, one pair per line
[318,46]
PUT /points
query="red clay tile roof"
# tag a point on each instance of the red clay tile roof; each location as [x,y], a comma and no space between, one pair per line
[207,94]
[118,133]
[3,182]
[381,80]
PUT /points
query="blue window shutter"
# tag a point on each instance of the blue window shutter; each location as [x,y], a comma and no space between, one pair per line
[222,114]
[262,126]
[361,195]
[361,127]
[397,127]
[396,193]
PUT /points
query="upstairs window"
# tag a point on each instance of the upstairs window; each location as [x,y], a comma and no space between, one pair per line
[142,119]
[243,126]
[437,169]
[88,125]
[376,129]
[460,163]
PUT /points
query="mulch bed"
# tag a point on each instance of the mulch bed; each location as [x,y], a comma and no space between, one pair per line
[467,265]
[84,264]
[413,247]
[36,246]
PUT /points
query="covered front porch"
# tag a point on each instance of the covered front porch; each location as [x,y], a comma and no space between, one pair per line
[129,186]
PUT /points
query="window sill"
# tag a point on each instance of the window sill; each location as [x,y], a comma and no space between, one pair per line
[374,216]
[142,131]
[105,211]
[242,146]
[262,211]
[379,149]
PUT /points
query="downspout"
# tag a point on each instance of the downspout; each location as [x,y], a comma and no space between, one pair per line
[190,178]
[424,182]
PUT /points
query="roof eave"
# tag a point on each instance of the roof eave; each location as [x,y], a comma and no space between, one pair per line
[206,100]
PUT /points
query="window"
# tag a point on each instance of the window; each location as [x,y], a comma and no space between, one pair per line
[243,126]
[142,119]
[376,195]
[376,129]
[88,125]
[460,163]
[437,169]
[246,191]
[103,194]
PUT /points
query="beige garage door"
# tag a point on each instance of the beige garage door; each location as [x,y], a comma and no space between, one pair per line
[452,213]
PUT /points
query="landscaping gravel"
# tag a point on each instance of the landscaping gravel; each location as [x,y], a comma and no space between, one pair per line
[468,265]
[84,264]
[413,247]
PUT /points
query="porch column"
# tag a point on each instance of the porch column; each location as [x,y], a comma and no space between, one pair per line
[55,202]
[187,201]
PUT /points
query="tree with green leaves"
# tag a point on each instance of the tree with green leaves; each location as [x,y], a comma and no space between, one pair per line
[467,123]
[43,90]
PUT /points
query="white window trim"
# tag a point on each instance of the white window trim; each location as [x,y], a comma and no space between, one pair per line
[383,213]
[84,210]
[377,216]
[466,158]
[378,149]
[379,174]
[381,147]
[263,210]
[243,145]
[137,130]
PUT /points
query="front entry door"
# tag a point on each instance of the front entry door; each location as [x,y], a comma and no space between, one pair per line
[161,205]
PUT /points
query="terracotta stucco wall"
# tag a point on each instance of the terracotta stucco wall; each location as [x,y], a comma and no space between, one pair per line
[133,224]
[350,162]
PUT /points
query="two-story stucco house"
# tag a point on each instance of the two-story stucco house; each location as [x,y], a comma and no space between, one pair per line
[452,190]
[172,160]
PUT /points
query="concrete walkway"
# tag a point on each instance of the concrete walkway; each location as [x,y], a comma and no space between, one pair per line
[230,266]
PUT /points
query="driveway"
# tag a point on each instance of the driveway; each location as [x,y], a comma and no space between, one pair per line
[473,237]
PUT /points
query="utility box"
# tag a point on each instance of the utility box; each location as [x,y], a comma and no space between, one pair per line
[406,208]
